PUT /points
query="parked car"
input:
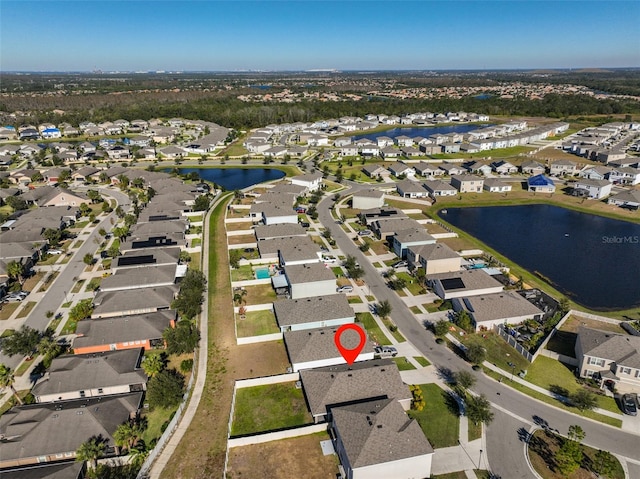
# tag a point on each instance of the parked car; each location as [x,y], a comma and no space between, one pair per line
[400,264]
[301,210]
[629,404]
[304,224]
[329,259]
[54,251]
[386,351]
[365,233]
[12,298]
[372,308]
[345,289]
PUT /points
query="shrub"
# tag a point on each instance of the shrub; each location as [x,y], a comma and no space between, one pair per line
[186,365]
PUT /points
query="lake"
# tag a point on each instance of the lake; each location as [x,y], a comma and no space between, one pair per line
[412,132]
[592,259]
[236,178]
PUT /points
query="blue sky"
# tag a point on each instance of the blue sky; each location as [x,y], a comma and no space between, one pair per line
[299,35]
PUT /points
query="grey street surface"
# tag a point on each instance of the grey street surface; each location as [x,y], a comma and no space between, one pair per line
[58,292]
[523,407]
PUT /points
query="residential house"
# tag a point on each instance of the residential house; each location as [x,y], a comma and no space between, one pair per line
[52,432]
[463,283]
[283,230]
[386,227]
[627,199]
[310,181]
[389,152]
[440,188]
[376,171]
[540,184]
[146,257]
[290,251]
[349,150]
[399,169]
[333,386]
[428,170]
[313,312]
[563,168]
[123,332]
[611,359]
[478,168]
[365,199]
[532,167]
[64,470]
[273,213]
[504,167]
[595,172]
[467,183]
[385,141]
[75,376]
[143,277]
[495,185]
[625,176]
[411,189]
[489,310]
[452,169]
[595,189]
[172,151]
[404,239]
[377,440]
[313,279]
[108,304]
[62,197]
[434,258]
[85,174]
[315,348]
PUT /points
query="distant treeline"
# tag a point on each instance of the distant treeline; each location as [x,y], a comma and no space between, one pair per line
[228,111]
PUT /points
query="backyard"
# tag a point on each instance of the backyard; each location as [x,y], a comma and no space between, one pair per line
[439,419]
[259,294]
[269,408]
[297,457]
[256,323]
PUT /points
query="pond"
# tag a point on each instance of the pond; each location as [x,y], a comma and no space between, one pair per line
[235,178]
[592,259]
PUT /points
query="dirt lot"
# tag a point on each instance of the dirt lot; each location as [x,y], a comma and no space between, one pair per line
[297,457]
[245,225]
[574,322]
[241,239]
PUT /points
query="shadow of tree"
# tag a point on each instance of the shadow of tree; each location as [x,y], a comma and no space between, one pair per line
[445,374]
[523,435]
[451,403]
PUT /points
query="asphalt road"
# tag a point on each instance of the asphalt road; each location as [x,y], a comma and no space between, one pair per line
[524,407]
[58,292]
[506,442]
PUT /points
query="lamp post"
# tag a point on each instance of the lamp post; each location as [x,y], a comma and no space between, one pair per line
[480,459]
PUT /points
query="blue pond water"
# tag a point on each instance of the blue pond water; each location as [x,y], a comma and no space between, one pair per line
[236,178]
[592,259]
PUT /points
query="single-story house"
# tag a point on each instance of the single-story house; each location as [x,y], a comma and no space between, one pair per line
[452,169]
[313,279]
[107,304]
[612,359]
[377,440]
[411,189]
[495,185]
[76,376]
[290,250]
[315,348]
[428,169]
[52,432]
[563,167]
[532,167]
[282,230]
[540,184]
[313,312]
[440,188]
[376,171]
[504,167]
[123,332]
[626,199]
[143,277]
[333,386]
[463,283]
[434,258]
[489,310]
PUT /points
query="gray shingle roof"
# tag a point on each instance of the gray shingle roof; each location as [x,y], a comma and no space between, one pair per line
[317,344]
[283,230]
[148,256]
[67,470]
[308,273]
[142,277]
[621,348]
[379,431]
[90,371]
[471,279]
[334,385]
[308,310]
[504,305]
[137,327]
[110,302]
[434,251]
[369,194]
[411,235]
[54,428]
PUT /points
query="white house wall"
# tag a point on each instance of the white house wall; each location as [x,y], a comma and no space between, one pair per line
[317,288]
[415,467]
[320,363]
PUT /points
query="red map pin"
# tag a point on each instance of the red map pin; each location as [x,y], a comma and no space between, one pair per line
[350,355]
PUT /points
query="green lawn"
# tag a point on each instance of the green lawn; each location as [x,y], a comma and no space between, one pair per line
[396,334]
[196,242]
[424,362]
[338,271]
[414,287]
[403,364]
[155,420]
[260,294]
[78,286]
[256,323]
[375,333]
[243,273]
[268,408]
[499,352]
[439,419]
[415,310]
[354,299]
[551,374]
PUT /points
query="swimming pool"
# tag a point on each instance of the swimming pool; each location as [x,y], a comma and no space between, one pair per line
[262,273]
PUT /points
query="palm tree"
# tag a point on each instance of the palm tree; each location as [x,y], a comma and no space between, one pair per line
[91,450]
[15,270]
[49,347]
[7,379]
[127,435]
[153,364]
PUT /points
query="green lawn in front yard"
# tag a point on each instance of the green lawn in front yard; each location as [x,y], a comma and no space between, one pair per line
[26,309]
[403,364]
[415,310]
[395,332]
[375,333]
[256,323]
[424,362]
[377,246]
[439,419]
[354,299]
[268,408]
[551,375]
[78,286]
[24,365]
[196,242]
[259,294]
[338,271]
[414,287]
[499,352]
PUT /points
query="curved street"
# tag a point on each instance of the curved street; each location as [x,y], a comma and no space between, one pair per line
[520,407]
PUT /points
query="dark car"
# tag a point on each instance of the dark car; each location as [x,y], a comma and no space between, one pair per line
[629,404]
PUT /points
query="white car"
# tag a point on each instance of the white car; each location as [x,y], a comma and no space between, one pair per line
[329,259]
[345,289]
[54,251]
